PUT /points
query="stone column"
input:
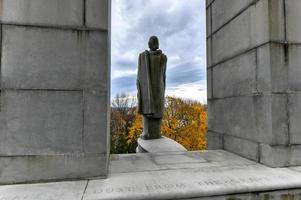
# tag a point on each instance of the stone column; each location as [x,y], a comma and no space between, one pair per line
[54,114]
[254,79]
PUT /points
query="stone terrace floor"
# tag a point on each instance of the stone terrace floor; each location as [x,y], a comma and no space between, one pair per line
[175,175]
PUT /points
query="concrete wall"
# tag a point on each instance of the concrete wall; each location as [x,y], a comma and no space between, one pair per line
[55,80]
[254,84]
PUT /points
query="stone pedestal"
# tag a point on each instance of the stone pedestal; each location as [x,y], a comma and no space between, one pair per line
[163,144]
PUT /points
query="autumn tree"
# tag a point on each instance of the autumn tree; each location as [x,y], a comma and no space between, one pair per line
[135,131]
[122,118]
[184,121]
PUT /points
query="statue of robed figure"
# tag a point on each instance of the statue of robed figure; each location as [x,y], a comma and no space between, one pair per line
[151,82]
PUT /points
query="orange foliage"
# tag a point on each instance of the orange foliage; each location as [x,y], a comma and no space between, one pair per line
[135,130]
[184,121]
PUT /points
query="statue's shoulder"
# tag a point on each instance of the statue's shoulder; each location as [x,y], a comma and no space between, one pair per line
[143,53]
[164,56]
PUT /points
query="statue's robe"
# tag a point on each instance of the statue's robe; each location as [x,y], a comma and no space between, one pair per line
[151,81]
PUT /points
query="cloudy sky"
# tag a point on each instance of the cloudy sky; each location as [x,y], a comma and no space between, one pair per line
[180,26]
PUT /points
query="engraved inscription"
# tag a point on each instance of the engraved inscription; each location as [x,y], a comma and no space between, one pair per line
[134,189]
[232,181]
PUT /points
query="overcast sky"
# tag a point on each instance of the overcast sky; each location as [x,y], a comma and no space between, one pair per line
[180,26]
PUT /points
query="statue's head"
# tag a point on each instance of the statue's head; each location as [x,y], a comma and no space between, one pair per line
[153,43]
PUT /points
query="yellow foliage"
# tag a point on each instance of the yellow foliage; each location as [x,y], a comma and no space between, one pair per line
[135,130]
[184,121]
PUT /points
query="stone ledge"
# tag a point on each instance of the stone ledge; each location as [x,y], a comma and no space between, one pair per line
[45,168]
[174,175]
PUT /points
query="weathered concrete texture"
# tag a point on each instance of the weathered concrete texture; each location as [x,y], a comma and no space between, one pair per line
[280,155]
[215,140]
[52,167]
[235,77]
[209,83]
[247,30]
[37,58]
[208,22]
[255,79]
[275,195]
[41,122]
[223,11]
[294,70]
[55,90]
[209,53]
[256,118]
[246,148]
[294,101]
[213,175]
[279,67]
[208,2]
[294,118]
[195,175]
[96,122]
[43,12]
[174,160]
[45,191]
[271,68]
[97,14]
[293,20]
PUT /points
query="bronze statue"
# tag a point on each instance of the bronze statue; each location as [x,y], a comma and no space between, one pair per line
[151,83]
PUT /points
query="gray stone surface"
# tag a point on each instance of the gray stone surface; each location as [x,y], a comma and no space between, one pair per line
[293,20]
[208,22]
[271,68]
[186,183]
[228,36]
[235,77]
[37,58]
[214,175]
[96,122]
[162,144]
[215,140]
[41,122]
[255,99]
[277,195]
[208,2]
[246,148]
[209,83]
[246,31]
[44,191]
[223,11]
[294,71]
[294,118]
[257,118]
[97,14]
[43,12]
[209,52]
[55,90]
[277,24]
[274,156]
[22,169]
[280,155]
[173,160]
